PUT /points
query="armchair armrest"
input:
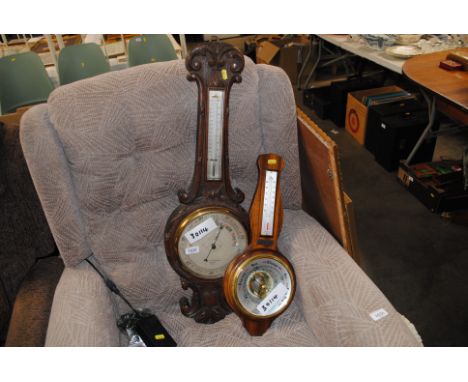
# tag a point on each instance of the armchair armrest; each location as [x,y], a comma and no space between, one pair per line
[336,297]
[83,312]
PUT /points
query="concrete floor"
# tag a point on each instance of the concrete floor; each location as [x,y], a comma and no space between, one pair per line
[417,259]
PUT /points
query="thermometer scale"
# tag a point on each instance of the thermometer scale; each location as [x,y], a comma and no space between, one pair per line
[215,134]
[259,285]
[269,199]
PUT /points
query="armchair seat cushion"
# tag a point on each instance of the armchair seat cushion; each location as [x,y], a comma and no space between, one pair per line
[331,307]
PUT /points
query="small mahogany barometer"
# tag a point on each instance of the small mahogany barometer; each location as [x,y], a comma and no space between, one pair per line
[259,285]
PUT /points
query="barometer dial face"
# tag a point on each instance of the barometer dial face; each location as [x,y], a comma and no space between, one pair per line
[208,240]
[264,285]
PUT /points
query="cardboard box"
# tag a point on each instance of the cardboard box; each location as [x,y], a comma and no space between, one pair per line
[284,52]
[266,51]
[339,94]
[356,111]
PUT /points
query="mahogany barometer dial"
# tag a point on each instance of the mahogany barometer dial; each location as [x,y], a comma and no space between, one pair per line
[259,285]
[210,227]
[208,239]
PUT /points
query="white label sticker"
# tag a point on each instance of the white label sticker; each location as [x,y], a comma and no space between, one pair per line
[192,250]
[274,298]
[201,230]
[378,314]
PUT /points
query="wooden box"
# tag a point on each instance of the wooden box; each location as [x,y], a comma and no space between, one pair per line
[438,185]
[283,52]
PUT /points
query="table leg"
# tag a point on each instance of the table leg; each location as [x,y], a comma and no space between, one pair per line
[183,45]
[313,42]
[305,61]
[431,104]
[51,45]
[312,71]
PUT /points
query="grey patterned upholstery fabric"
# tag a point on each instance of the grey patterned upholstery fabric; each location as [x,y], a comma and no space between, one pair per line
[108,155]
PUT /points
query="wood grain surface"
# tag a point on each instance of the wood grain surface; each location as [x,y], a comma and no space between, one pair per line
[452,85]
[322,190]
[266,162]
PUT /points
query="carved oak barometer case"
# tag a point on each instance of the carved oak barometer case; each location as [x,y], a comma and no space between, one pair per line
[259,285]
[210,227]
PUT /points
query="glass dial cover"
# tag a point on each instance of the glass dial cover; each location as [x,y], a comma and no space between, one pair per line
[209,241]
[264,287]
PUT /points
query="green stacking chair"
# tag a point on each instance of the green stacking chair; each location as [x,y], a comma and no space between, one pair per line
[23,81]
[150,48]
[76,62]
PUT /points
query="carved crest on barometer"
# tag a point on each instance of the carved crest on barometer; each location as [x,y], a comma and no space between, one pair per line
[214,67]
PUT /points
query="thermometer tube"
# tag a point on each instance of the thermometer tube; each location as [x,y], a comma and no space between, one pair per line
[215,134]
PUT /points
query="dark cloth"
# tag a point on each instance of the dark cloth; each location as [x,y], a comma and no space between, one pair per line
[30,317]
[24,233]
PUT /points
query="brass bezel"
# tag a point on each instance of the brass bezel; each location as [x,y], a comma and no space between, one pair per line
[193,215]
[241,266]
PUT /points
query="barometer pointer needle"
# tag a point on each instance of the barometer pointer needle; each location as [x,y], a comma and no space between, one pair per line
[213,246]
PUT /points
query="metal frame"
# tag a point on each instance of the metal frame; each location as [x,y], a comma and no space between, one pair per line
[429,131]
[183,44]
[325,57]
[51,46]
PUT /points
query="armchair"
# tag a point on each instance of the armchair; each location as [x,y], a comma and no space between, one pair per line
[107,156]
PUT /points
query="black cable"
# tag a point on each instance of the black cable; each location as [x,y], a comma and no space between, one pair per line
[143,323]
[111,285]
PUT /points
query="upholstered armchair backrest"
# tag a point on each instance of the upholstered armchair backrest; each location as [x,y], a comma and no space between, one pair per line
[108,154]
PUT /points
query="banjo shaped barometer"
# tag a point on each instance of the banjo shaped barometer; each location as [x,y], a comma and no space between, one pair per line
[209,228]
[260,284]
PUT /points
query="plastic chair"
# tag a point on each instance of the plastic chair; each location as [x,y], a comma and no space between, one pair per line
[150,48]
[76,62]
[23,81]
